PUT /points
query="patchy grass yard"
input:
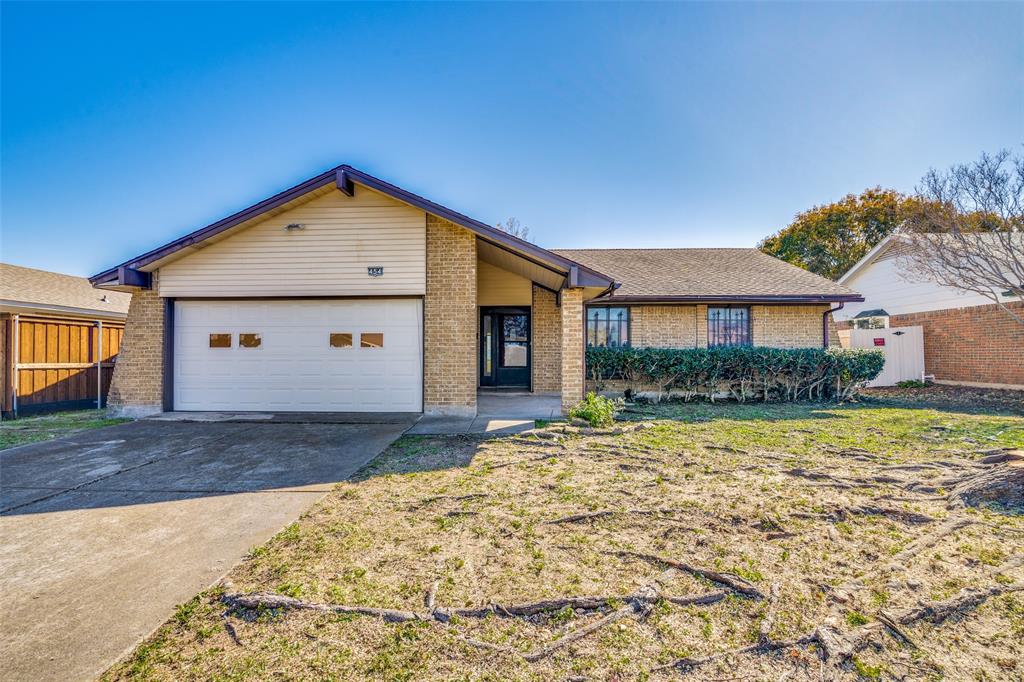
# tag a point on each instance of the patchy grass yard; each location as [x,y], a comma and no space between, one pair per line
[48,426]
[797,526]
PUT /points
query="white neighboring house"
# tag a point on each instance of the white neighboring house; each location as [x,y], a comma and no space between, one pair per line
[968,339]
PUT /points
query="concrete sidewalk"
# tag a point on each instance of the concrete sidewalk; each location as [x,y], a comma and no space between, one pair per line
[497,412]
[103,532]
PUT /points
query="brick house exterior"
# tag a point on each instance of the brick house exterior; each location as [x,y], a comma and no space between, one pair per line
[346,293]
[976,345]
[967,339]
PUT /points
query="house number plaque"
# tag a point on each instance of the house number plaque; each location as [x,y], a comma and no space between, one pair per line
[375,271]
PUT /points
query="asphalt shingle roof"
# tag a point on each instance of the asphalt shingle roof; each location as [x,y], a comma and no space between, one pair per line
[703,273]
[27,285]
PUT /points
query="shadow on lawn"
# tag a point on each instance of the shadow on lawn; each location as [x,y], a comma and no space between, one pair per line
[695,412]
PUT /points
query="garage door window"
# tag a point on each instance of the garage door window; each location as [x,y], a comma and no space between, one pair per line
[220,340]
[371,340]
[250,340]
[341,340]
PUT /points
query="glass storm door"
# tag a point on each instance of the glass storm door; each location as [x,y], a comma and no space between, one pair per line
[505,347]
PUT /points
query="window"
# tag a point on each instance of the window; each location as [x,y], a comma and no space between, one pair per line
[250,340]
[608,327]
[729,326]
[515,341]
[371,340]
[341,339]
[220,340]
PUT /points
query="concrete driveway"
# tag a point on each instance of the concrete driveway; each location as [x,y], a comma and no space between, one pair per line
[103,532]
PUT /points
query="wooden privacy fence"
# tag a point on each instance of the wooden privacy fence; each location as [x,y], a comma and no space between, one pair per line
[58,363]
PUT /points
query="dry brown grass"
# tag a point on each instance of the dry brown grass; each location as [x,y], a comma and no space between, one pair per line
[475,515]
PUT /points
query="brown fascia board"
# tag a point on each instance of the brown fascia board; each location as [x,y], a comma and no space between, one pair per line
[765,298]
[343,176]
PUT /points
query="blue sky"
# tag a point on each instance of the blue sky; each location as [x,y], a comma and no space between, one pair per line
[597,125]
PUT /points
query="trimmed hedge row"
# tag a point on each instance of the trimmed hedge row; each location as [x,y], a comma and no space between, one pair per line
[743,372]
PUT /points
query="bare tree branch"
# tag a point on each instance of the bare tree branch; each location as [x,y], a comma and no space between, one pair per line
[967,231]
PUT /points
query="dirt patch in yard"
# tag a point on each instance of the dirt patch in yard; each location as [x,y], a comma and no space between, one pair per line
[943,396]
[720,542]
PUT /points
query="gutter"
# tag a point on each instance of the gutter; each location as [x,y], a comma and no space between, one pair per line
[824,323]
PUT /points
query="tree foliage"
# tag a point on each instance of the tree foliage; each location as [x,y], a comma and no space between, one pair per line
[744,372]
[830,239]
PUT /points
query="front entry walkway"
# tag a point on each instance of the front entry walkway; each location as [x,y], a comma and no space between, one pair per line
[103,532]
[496,412]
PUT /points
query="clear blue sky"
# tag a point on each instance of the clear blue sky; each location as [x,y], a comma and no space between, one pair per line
[127,125]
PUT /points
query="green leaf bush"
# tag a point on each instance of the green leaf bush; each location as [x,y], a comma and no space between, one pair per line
[596,410]
[742,372]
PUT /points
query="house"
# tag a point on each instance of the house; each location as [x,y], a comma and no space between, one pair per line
[347,293]
[968,339]
[59,338]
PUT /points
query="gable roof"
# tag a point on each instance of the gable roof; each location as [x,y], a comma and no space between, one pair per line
[721,275]
[40,289]
[345,178]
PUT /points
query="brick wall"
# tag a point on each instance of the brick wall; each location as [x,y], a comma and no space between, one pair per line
[980,344]
[136,388]
[686,326]
[547,342]
[450,320]
[572,347]
[787,326]
[666,326]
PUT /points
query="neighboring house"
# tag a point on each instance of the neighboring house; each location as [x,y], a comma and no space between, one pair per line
[968,339]
[347,293]
[59,338]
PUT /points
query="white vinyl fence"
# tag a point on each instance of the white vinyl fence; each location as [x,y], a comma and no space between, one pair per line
[904,352]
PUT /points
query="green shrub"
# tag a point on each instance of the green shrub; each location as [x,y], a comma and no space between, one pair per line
[911,383]
[596,410]
[742,372]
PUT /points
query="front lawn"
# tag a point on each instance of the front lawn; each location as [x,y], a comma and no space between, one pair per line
[790,531]
[48,426]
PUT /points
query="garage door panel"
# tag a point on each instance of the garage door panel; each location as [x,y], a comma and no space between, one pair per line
[295,368]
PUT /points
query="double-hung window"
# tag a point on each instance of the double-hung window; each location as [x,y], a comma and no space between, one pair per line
[608,326]
[729,326]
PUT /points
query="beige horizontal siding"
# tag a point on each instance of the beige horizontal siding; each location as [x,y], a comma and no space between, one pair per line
[495,286]
[329,257]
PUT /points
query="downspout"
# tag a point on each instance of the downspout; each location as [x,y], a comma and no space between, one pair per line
[824,324]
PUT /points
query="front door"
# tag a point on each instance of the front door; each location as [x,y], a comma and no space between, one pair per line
[505,347]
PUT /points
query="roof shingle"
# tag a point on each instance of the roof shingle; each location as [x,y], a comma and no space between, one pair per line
[40,287]
[706,274]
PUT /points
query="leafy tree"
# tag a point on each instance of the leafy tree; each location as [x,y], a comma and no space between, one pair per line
[831,238]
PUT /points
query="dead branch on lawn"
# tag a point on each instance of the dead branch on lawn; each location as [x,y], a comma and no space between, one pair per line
[730,580]
[591,516]
[968,598]
[769,617]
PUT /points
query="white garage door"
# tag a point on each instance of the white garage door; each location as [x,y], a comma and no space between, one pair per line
[298,356]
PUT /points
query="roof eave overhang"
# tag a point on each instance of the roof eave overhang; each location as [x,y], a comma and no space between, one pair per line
[768,299]
[28,308]
[344,178]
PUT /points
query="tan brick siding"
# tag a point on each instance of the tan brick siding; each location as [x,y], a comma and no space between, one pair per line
[138,381]
[547,342]
[572,347]
[665,326]
[981,344]
[450,320]
[787,326]
[686,326]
